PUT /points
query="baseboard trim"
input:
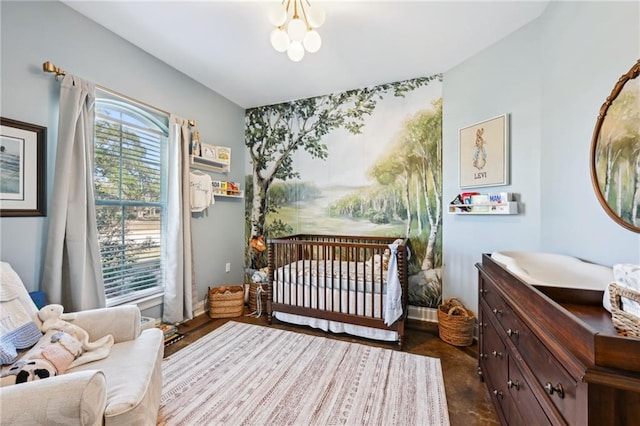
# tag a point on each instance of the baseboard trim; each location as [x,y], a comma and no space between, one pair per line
[198,309]
[421,313]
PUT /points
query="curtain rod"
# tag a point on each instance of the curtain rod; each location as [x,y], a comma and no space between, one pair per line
[49,67]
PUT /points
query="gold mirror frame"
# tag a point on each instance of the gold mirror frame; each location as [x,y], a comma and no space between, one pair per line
[615,152]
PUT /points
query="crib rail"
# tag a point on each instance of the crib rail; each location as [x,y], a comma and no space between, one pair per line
[337,278]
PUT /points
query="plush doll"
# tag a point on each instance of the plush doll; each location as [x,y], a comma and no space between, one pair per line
[27,371]
[53,359]
[61,351]
[53,319]
[53,312]
[67,346]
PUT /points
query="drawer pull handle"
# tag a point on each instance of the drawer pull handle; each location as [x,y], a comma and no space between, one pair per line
[482,324]
[496,392]
[511,332]
[497,354]
[497,311]
[557,389]
[482,290]
[483,356]
[513,384]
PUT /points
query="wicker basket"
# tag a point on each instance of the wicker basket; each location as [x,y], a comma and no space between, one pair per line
[626,323]
[253,297]
[226,301]
[455,323]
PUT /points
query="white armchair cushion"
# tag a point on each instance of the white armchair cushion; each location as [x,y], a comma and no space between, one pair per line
[131,386]
[69,399]
[122,322]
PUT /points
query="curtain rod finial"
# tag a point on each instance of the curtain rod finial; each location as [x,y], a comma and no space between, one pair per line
[48,67]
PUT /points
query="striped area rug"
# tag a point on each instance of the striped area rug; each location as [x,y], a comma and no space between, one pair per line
[243,374]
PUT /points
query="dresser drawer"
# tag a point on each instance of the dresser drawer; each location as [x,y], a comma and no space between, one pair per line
[529,411]
[559,387]
[493,360]
[498,308]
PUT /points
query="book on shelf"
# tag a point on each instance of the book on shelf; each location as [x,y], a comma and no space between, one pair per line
[221,187]
[224,154]
[233,188]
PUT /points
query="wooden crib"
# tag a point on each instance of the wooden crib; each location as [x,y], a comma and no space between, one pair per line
[337,283]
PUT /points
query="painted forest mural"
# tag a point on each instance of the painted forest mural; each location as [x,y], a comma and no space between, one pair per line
[362,162]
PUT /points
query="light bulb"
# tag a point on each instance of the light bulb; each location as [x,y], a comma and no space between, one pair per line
[295,51]
[312,41]
[279,40]
[277,14]
[316,16]
[296,29]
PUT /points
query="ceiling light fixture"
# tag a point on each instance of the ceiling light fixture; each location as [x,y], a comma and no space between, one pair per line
[298,34]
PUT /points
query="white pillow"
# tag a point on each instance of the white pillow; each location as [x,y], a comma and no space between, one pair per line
[17,328]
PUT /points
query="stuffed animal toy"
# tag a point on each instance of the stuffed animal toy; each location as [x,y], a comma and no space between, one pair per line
[61,351]
[67,347]
[28,371]
[50,314]
[53,319]
[53,359]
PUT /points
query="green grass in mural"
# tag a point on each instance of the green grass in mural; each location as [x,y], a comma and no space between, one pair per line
[313,221]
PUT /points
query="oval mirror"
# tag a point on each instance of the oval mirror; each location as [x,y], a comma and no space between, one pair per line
[615,152]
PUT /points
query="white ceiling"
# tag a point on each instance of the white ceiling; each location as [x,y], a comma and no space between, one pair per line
[225,44]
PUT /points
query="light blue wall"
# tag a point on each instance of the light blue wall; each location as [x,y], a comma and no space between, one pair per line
[582,62]
[33,32]
[551,76]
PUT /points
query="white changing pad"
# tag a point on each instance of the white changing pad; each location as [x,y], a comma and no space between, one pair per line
[557,270]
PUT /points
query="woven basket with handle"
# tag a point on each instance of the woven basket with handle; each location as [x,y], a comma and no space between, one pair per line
[226,301]
[627,324]
[257,291]
[455,322]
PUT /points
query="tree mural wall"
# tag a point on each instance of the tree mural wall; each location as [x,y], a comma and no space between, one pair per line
[297,181]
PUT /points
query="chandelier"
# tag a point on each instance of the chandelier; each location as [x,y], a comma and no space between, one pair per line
[296,21]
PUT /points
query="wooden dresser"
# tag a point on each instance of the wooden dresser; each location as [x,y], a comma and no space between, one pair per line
[550,355]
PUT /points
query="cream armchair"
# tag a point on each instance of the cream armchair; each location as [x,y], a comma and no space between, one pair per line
[122,389]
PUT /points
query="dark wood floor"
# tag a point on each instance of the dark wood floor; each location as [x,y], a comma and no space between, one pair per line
[467,397]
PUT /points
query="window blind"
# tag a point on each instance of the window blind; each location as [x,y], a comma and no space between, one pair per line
[130,192]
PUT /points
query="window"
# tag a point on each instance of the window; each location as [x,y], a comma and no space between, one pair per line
[130,149]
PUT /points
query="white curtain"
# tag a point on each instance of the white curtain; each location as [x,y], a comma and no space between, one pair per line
[72,274]
[179,285]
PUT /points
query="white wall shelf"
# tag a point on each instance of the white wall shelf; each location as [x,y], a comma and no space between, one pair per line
[206,164]
[227,189]
[510,207]
[238,195]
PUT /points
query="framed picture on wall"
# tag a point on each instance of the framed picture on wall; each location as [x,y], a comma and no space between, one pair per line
[22,168]
[484,153]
